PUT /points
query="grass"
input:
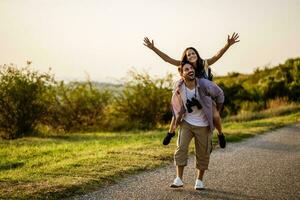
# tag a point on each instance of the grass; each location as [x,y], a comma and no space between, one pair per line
[276,110]
[61,166]
[236,131]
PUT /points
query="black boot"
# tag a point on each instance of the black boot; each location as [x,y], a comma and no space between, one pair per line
[168,138]
[222,140]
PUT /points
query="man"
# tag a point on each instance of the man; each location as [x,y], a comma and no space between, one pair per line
[192,110]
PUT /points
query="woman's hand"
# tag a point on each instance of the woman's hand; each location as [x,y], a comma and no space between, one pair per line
[148,44]
[161,54]
[233,39]
[230,41]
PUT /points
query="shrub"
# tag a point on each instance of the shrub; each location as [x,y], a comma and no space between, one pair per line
[294,91]
[144,102]
[251,106]
[23,99]
[78,106]
[235,94]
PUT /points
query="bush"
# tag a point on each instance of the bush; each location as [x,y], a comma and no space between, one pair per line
[252,106]
[294,91]
[235,94]
[23,100]
[78,106]
[144,102]
[273,88]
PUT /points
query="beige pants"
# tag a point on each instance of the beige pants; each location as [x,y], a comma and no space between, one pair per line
[203,145]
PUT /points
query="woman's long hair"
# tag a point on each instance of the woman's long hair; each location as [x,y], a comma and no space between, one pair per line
[199,68]
[199,63]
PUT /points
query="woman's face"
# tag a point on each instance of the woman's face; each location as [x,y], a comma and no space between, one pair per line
[191,56]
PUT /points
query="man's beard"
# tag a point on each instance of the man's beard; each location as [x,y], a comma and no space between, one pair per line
[190,77]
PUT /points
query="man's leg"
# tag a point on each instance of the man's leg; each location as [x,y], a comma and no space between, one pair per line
[203,147]
[185,136]
[172,125]
[179,171]
[199,182]
[200,174]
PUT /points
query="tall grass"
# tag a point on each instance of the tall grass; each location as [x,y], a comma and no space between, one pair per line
[275,108]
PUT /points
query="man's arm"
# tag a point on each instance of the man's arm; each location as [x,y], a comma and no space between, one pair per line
[172,127]
[230,41]
[161,54]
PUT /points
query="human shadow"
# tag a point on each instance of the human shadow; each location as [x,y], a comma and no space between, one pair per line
[209,193]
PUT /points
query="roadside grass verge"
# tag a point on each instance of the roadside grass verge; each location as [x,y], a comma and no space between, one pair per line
[61,166]
[236,131]
[279,110]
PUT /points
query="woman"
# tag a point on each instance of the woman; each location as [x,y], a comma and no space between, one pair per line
[202,70]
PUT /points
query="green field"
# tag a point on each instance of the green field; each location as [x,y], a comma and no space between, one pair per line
[61,166]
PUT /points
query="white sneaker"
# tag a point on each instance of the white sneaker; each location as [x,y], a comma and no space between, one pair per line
[199,185]
[177,183]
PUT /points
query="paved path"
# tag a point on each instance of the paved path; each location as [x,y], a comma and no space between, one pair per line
[263,167]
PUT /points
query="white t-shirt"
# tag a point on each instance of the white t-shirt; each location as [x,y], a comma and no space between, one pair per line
[197,116]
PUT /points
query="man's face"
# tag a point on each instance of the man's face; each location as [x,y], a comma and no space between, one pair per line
[188,72]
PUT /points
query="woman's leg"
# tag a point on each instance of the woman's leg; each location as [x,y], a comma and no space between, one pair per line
[218,125]
[217,120]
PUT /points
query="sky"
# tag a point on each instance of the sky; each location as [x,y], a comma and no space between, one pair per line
[104,39]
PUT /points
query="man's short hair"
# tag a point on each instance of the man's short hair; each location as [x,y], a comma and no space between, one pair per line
[180,67]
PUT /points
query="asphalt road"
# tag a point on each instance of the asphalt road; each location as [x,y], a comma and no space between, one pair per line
[264,167]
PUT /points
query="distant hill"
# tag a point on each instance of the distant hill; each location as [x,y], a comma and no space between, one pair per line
[109,86]
[102,85]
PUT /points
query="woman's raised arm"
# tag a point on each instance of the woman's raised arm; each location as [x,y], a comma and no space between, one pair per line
[161,54]
[230,41]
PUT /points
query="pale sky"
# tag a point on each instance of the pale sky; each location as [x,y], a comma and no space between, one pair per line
[105,38]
